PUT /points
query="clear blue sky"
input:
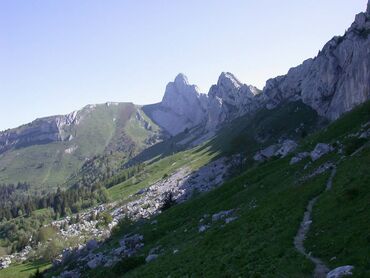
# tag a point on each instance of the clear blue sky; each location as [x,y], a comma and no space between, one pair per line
[57,56]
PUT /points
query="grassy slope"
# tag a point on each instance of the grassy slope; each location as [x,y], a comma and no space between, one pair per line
[250,133]
[341,218]
[23,270]
[260,242]
[49,165]
[155,171]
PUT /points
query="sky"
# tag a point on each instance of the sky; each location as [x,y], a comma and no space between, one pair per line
[58,56]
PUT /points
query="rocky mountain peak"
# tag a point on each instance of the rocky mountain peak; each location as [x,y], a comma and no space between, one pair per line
[228,80]
[368,7]
[181,80]
[179,93]
[181,107]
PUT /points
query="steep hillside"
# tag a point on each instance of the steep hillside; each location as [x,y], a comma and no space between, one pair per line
[248,225]
[47,151]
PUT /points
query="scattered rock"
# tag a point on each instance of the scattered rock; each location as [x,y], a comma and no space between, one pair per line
[203,228]
[5,262]
[321,169]
[70,274]
[230,219]
[280,149]
[266,153]
[130,244]
[96,261]
[221,215]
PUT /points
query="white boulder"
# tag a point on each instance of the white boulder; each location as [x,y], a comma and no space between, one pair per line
[340,271]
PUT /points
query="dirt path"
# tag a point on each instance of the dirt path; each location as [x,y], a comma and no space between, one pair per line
[320,268]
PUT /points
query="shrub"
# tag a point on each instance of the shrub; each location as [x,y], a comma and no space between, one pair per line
[128,264]
[37,274]
[52,250]
[122,227]
[168,201]
[105,218]
[352,144]
[3,251]
[351,193]
[46,233]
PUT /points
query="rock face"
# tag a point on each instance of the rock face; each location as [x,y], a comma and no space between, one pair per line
[336,80]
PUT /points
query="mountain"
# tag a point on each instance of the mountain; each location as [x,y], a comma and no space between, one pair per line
[48,150]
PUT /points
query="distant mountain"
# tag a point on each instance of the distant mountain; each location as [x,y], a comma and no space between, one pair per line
[48,150]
